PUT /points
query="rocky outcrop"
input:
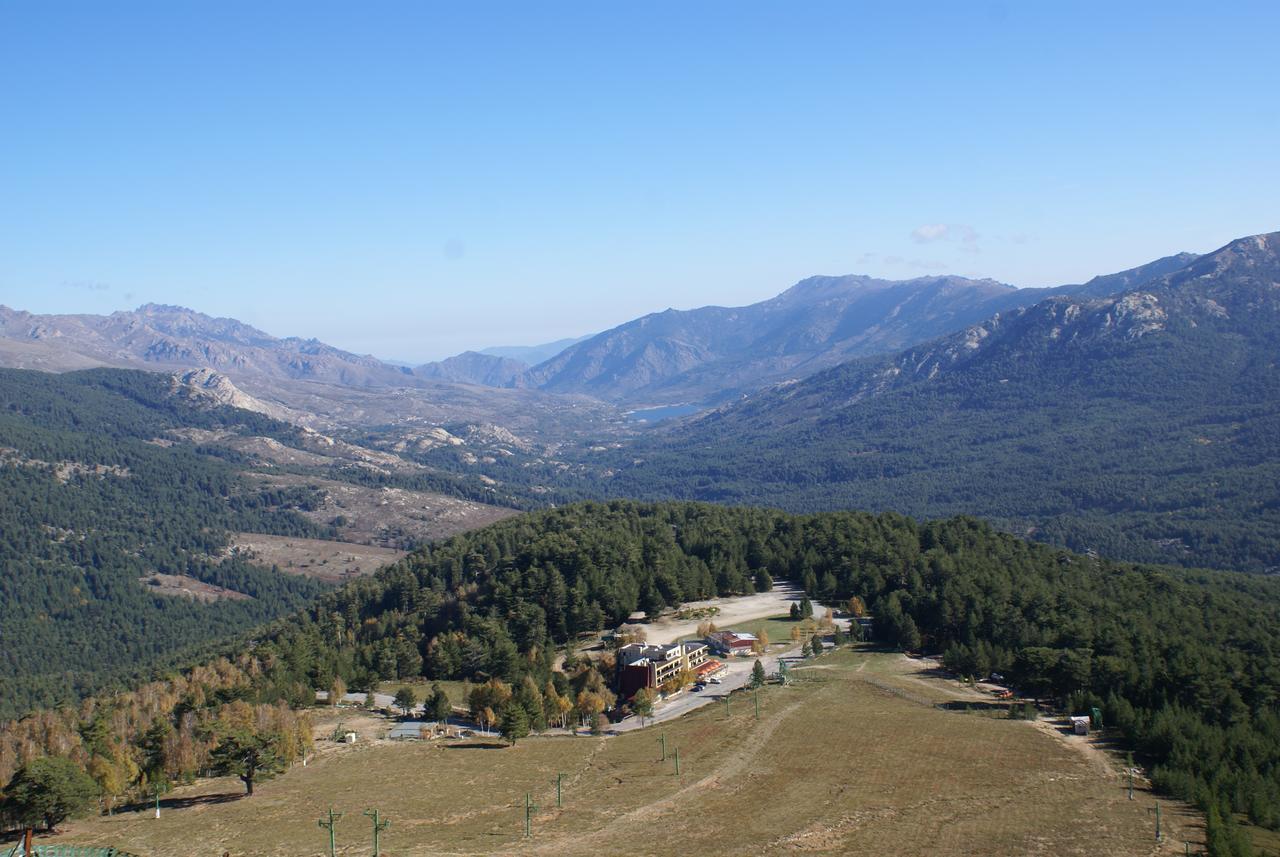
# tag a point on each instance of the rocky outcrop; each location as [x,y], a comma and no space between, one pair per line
[217,389]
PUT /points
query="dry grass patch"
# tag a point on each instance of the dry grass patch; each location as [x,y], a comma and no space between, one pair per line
[318,558]
[182,586]
[835,764]
[388,517]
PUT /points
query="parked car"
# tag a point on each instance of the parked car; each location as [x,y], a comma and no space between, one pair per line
[715,680]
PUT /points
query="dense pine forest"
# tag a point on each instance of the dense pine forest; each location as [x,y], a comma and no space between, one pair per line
[91,500]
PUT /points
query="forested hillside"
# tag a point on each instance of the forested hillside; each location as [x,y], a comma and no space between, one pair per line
[95,495]
[1145,427]
[1186,664]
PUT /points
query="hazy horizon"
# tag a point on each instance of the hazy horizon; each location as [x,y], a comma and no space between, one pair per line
[422,180]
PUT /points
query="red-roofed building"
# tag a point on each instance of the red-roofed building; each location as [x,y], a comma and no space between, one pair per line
[732,643]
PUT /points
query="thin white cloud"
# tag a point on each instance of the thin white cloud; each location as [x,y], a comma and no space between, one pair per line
[930,232]
[963,233]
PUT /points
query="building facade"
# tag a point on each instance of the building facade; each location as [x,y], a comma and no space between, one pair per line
[641,665]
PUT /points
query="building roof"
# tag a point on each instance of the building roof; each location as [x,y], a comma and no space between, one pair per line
[407,729]
[635,653]
[731,638]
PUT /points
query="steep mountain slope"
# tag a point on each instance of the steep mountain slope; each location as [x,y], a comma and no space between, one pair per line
[680,355]
[1146,426]
[1114,284]
[714,353]
[1101,286]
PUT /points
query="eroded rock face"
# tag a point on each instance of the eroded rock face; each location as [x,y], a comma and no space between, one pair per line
[216,388]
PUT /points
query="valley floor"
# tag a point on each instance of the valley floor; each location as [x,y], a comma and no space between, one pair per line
[855,756]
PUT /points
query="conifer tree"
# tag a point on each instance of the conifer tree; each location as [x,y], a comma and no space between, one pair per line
[515,722]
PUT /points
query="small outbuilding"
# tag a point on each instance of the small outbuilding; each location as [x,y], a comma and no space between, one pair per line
[408,730]
[732,643]
[1080,724]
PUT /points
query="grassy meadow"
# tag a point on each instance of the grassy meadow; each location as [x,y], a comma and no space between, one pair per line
[837,763]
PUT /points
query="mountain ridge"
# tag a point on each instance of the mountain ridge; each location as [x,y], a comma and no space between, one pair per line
[708,354]
[1145,425]
[715,353]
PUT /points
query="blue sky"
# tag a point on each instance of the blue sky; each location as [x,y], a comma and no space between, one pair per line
[411,180]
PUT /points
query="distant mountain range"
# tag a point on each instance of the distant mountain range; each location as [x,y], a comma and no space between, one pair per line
[715,353]
[500,366]
[172,337]
[473,367]
[302,380]
[1137,414]
[1144,425]
[704,355]
[531,355]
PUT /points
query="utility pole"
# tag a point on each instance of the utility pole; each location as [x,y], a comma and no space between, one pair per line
[529,809]
[1157,811]
[663,739]
[1131,782]
[331,824]
[757,696]
[726,706]
[559,780]
[378,826]
[677,761]
[157,801]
